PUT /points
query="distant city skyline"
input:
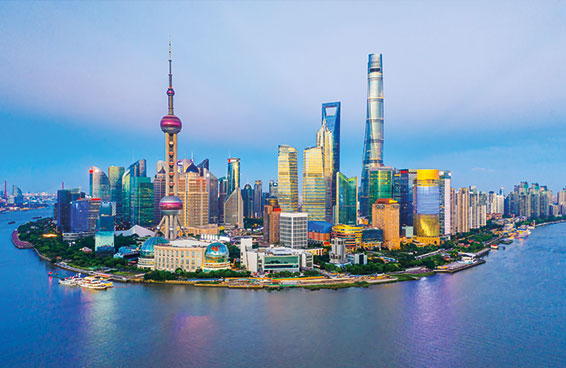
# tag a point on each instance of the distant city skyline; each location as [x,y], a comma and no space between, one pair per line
[478,91]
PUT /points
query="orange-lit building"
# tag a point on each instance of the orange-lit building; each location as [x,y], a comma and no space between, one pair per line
[385,216]
[351,234]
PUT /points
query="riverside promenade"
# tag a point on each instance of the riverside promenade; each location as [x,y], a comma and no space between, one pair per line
[18,243]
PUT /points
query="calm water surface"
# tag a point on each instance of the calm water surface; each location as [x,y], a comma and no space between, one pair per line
[509,312]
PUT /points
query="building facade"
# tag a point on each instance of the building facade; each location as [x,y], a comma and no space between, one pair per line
[287,179]
[346,208]
[314,184]
[99,184]
[386,217]
[427,206]
[293,229]
[373,139]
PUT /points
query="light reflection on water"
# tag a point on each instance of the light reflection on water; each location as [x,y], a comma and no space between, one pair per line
[507,312]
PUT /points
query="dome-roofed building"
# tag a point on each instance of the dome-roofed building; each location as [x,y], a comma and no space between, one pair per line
[216,257]
[192,168]
[147,251]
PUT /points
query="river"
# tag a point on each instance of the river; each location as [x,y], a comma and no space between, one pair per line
[509,312]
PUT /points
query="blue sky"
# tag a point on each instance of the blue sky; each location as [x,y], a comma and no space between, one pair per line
[474,87]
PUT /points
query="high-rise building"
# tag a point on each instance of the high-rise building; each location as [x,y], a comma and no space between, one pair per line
[233,175]
[271,220]
[99,184]
[171,205]
[427,206]
[212,185]
[273,188]
[234,209]
[373,141]
[193,192]
[325,140]
[258,200]
[287,179]
[403,182]
[222,190]
[346,209]
[331,118]
[380,184]
[135,170]
[84,215]
[79,216]
[159,185]
[64,199]
[463,210]
[445,219]
[453,211]
[104,237]
[115,174]
[293,229]
[386,217]
[142,202]
[314,184]
[248,200]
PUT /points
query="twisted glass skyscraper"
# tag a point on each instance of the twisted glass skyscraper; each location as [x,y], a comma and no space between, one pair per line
[373,141]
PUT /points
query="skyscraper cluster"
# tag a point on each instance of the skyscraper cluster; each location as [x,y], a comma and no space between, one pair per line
[319,203]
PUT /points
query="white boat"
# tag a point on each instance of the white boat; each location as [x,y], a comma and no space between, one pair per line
[95,283]
[71,281]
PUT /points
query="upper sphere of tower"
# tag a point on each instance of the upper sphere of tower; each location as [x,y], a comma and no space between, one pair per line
[171,124]
[170,92]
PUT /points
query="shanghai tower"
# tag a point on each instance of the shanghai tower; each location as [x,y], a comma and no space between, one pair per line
[373,140]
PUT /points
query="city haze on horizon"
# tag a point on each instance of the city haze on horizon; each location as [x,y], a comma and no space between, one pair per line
[474,88]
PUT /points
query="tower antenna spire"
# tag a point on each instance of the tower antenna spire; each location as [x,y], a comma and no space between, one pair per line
[170,90]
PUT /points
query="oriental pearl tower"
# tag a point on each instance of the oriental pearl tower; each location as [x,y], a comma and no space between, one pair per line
[170,205]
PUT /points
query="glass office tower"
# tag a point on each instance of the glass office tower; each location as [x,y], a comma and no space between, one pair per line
[99,184]
[331,117]
[115,174]
[373,141]
[104,237]
[129,212]
[142,201]
[248,200]
[233,175]
[314,184]
[287,179]
[346,210]
[325,140]
[258,199]
[380,184]
[427,206]
[222,190]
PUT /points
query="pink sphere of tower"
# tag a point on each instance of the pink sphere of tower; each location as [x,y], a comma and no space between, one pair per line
[171,205]
[171,124]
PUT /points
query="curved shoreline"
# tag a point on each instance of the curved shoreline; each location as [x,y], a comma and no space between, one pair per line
[279,284]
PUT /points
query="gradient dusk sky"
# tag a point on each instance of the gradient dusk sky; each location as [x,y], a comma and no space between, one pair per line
[475,87]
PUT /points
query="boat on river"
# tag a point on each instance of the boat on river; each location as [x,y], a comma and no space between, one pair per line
[95,283]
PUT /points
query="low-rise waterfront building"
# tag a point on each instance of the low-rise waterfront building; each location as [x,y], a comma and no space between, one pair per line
[186,254]
[274,259]
[319,232]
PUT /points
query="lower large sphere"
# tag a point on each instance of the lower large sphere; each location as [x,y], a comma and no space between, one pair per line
[171,205]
